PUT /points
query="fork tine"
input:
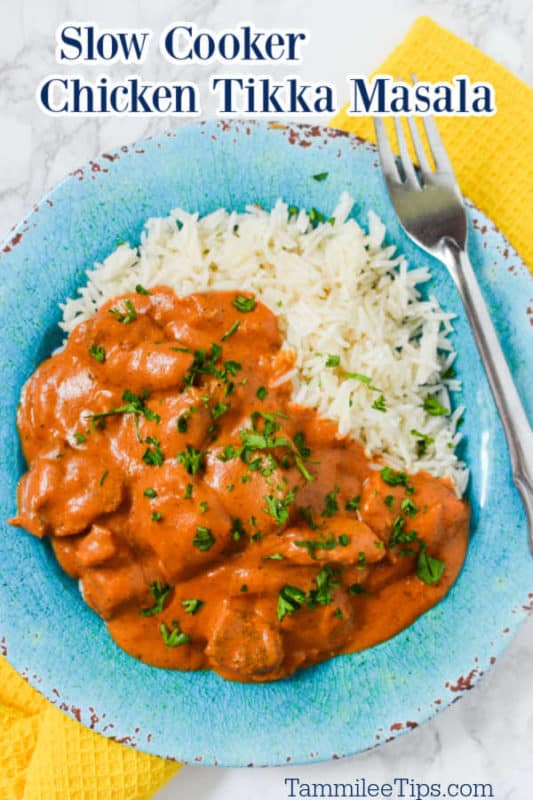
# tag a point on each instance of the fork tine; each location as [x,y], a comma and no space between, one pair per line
[408,169]
[386,156]
[438,152]
[440,157]
[419,149]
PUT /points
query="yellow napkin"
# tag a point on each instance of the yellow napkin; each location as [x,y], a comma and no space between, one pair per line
[492,156]
[45,755]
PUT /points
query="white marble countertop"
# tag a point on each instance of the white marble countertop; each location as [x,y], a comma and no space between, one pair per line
[488,736]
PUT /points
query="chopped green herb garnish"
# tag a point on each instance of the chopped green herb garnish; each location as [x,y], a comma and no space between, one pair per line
[243,304]
[97,352]
[389,500]
[261,393]
[333,361]
[125,317]
[356,588]
[354,503]
[408,507]
[315,216]
[174,637]
[344,540]
[183,423]
[312,545]
[293,211]
[278,507]
[307,514]
[326,580]
[153,455]
[320,176]
[134,404]
[338,613]
[434,408]
[188,492]
[230,487]
[428,569]
[104,475]
[156,516]
[203,539]
[192,606]
[149,492]
[191,459]
[331,505]
[80,438]
[379,404]
[393,478]
[141,290]
[299,441]
[274,557]
[361,559]
[449,374]
[357,376]
[203,506]
[160,592]
[219,409]
[244,588]
[423,441]
[230,331]
[290,600]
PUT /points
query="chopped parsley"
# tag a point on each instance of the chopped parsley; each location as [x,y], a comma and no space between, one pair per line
[389,500]
[191,459]
[434,408]
[408,507]
[127,316]
[203,539]
[80,438]
[188,492]
[338,613]
[333,361]
[205,363]
[315,216]
[274,557]
[356,588]
[379,404]
[244,588]
[103,478]
[261,393]
[141,290]
[293,211]
[331,505]
[133,404]
[354,503]
[326,580]
[243,304]
[449,374]
[290,600]
[299,441]
[307,514]
[428,569]
[219,409]
[278,507]
[153,455]
[320,176]
[174,637]
[344,540]
[312,545]
[361,559]
[357,376]
[156,516]
[160,592]
[230,331]
[423,441]
[203,506]
[149,492]
[192,606]
[97,352]
[183,422]
[393,478]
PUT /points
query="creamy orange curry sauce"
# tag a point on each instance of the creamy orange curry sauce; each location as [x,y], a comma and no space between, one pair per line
[211,522]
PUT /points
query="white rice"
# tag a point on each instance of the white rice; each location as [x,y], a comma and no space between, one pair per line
[336,289]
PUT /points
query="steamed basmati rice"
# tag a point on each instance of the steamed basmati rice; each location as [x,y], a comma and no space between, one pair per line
[336,290]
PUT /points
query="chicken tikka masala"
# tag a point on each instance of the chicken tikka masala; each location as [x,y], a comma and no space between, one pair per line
[211,522]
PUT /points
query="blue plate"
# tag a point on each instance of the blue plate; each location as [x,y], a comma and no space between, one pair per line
[351,702]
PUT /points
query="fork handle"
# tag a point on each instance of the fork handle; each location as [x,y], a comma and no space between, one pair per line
[515,422]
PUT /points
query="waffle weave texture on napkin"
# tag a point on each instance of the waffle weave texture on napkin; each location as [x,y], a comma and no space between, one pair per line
[46,755]
[492,156]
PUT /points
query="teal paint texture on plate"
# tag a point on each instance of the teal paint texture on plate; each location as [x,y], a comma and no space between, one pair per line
[351,702]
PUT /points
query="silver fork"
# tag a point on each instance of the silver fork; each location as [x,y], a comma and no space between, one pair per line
[431,211]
